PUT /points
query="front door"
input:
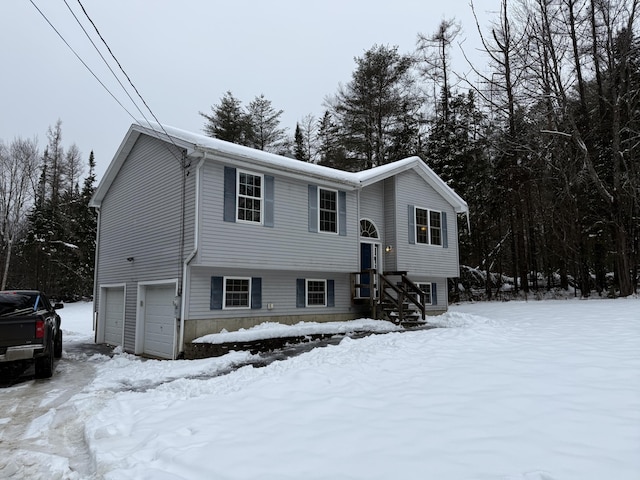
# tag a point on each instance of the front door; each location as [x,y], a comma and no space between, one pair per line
[369,255]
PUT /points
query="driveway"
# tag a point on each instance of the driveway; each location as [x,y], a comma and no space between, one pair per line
[39,427]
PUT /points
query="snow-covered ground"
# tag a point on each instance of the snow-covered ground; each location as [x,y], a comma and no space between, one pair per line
[544,390]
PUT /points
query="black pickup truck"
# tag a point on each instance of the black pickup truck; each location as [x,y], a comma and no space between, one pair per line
[29,331]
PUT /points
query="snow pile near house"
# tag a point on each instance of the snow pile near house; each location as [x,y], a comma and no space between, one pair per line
[269,330]
[509,391]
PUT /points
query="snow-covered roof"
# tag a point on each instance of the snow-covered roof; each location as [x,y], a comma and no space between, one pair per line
[202,145]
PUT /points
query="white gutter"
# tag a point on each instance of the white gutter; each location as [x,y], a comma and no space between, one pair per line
[343,180]
[191,256]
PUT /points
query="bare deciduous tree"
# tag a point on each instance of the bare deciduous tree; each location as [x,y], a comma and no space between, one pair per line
[19,168]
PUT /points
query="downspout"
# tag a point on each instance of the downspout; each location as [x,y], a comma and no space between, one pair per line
[185,268]
[95,278]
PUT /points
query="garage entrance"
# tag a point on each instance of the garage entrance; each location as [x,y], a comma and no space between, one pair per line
[112,313]
[158,317]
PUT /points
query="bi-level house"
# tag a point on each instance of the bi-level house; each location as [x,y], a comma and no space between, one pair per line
[196,235]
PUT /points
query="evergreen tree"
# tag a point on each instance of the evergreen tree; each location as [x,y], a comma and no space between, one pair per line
[227,121]
[375,108]
[264,131]
[300,148]
[330,150]
[58,249]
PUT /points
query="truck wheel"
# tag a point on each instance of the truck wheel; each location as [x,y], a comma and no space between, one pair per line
[57,346]
[44,365]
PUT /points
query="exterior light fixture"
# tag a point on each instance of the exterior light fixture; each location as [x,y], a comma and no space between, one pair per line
[388,249]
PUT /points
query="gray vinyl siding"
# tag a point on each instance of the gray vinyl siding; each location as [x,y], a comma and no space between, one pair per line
[140,219]
[278,288]
[372,206]
[390,228]
[420,259]
[288,245]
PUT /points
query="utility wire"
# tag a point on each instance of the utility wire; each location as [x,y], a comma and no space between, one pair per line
[81,61]
[126,76]
[105,61]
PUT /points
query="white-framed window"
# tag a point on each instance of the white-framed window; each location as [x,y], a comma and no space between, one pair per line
[428,226]
[250,197]
[327,210]
[426,288]
[237,292]
[316,293]
[368,229]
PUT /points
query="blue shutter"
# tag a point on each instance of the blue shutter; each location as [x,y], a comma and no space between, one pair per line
[268,201]
[443,222]
[412,224]
[256,293]
[300,291]
[342,213]
[216,293]
[229,194]
[313,209]
[434,293]
[331,297]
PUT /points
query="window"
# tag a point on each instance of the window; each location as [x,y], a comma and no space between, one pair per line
[328,211]
[426,288]
[428,224]
[237,292]
[249,197]
[434,228]
[368,229]
[316,293]
[422,226]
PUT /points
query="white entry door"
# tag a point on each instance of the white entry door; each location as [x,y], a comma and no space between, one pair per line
[113,301]
[159,320]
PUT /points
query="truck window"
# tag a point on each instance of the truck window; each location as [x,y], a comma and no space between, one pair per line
[18,303]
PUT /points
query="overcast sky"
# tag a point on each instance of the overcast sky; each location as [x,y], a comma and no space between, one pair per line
[183,55]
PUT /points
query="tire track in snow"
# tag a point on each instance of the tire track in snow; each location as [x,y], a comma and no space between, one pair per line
[41,432]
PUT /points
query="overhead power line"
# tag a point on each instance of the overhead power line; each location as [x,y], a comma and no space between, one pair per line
[125,73]
[105,61]
[81,61]
[149,124]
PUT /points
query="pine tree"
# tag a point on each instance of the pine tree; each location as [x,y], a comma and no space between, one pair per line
[264,131]
[331,153]
[375,108]
[300,148]
[227,121]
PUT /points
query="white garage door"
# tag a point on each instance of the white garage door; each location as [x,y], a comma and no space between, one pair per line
[113,315]
[159,320]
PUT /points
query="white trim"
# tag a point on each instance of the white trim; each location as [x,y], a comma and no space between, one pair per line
[376,244]
[141,301]
[102,307]
[261,198]
[224,293]
[306,292]
[336,211]
[186,269]
[420,285]
[415,222]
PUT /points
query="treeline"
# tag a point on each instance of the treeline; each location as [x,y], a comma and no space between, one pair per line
[48,231]
[542,142]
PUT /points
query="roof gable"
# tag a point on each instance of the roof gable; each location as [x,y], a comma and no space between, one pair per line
[197,145]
